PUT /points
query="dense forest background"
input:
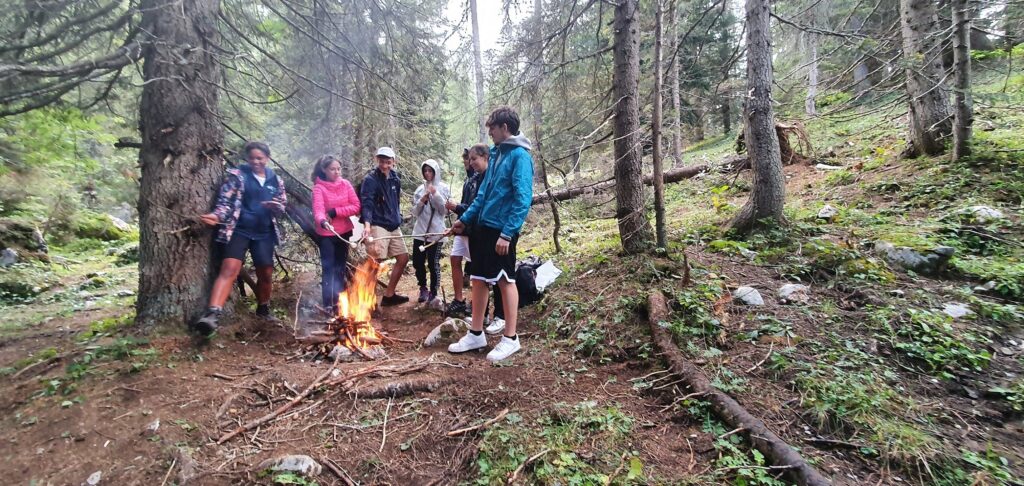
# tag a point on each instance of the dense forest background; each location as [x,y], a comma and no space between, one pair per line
[868,152]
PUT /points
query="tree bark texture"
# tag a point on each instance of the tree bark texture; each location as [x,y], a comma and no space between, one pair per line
[634,228]
[725,407]
[478,65]
[768,195]
[181,158]
[963,113]
[724,46]
[677,128]
[812,73]
[659,181]
[930,121]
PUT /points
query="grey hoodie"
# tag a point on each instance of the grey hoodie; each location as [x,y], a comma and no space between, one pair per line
[430,216]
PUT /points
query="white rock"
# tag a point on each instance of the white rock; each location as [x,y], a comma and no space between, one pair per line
[8,257]
[298,463]
[827,212]
[828,167]
[451,327]
[794,293]
[119,223]
[94,478]
[748,295]
[153,426]
[748,254]
[956,310]
[340,353]
[983,214]
[985,287]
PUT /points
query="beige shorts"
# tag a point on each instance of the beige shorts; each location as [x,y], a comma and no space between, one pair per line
[384,249]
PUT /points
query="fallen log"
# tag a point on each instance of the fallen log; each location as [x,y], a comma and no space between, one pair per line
[781,454]
[396,389]
[674,175]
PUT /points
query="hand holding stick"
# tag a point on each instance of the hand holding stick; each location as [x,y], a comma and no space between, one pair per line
[327,225]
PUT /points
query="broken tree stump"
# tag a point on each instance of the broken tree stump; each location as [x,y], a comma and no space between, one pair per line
[725,407]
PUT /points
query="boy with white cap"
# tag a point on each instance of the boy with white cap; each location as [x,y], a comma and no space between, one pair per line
[380,196]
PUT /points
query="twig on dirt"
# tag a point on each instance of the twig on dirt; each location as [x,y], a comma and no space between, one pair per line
[282,409]
[759,363]
[486,424]
[37,363]
[168,475]
[225,406]
[395,389]
[766,468]
[611,477]
[680,399]
[384,431]
[338,471]
[222,377]
[519,470]
[833,443]
[731,432]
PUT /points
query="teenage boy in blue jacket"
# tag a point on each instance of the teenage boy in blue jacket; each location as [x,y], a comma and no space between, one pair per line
[497,216]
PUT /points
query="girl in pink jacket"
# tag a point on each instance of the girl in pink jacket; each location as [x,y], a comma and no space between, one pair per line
[334,200]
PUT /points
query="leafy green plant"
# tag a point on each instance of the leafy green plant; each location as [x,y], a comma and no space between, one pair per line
[1013,394]
[930,337]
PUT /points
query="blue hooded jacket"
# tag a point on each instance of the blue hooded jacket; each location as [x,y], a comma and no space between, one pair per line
[506,192]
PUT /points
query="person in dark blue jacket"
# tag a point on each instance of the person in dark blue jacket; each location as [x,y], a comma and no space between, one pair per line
[497,216]
[379,195]
[460,245]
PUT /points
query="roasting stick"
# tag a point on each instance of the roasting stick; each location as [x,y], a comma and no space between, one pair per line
[372,239]
[331,228]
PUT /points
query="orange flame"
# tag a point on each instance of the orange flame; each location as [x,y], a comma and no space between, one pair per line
[357,303]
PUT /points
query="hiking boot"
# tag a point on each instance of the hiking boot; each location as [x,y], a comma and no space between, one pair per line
[496,326]
[457,308]
[393,300]
[424,295]
[505,348]
[468,342]
[263,312]
[207,324]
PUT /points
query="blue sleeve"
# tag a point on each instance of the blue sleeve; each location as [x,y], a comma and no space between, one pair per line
[522,194]
[367,192]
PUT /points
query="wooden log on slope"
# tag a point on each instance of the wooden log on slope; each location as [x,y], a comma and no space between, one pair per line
[671,176]
[782,455]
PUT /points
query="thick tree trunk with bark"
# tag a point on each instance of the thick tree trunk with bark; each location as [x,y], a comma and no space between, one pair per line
[478,66]
[812,73]
[930,121]
[634,228]
[768,195]
[963,113]
[181,158]
[659,182]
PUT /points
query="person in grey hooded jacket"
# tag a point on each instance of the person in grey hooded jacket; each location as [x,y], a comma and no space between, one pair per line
[430,213]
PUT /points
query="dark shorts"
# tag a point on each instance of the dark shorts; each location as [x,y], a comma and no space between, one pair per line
[262,249]
[487,264]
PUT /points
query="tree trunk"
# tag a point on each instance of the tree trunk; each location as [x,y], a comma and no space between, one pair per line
[181,158]
[659,182]
[634,228]
[812,73]
[726,114]
[724,48]
[538,117]
[697,109]
[861,72]
[677,129]
[768,195]
[478,65]
[963,116]
[930,122]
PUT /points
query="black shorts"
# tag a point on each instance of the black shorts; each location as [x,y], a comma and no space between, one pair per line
[487,264]
[262,249]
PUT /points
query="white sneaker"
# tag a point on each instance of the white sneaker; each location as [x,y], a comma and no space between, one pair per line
[505,348]
[496,326]
[468,342]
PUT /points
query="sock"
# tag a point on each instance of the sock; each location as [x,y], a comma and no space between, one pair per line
[214,308]
[514,337]
[475,333]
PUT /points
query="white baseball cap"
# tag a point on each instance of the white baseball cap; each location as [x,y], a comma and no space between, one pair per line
[386,152]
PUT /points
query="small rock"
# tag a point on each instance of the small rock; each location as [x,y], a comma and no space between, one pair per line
[748,254]
[985,287]
[94,478]
[449,328]
[828,167]
[897,293]
[125,293]
[153,426]
[971,393]
[298,463]
[827,212]
[983,214]
[8,257]
[1005,351]
[794,293]
[956,310]
[119,223]
[748,295]
[340,353]
[933,263]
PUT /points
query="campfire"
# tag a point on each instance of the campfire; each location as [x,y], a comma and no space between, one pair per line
[350,333]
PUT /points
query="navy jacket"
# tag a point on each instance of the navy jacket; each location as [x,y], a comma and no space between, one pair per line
[469,190]
[379,197]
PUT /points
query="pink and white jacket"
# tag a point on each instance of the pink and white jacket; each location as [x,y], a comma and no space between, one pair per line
[339,196]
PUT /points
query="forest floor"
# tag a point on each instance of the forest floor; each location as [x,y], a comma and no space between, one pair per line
[868,376]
